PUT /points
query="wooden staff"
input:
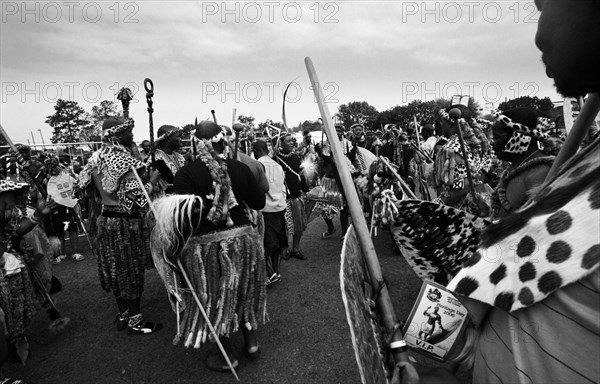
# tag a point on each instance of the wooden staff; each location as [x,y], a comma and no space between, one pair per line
[233,116]
[125,95]
[188,282]
[237,128]
[362,231]
[214,116]
[149,87]
[405,188]
[578,132]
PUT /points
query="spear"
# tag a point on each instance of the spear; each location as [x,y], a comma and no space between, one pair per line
[149,86]
[362,231]
[192,146]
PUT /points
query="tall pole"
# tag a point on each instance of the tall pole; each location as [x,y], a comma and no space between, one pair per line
[32,139]
[360,224]
[42,136]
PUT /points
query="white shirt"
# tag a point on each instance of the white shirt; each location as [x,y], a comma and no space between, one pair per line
[276,197]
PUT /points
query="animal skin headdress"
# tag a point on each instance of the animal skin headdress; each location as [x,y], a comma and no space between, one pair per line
[115,125]
[166,131]
[223,200]
[522,134]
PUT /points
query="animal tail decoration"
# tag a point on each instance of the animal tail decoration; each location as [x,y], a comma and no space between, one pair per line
[310,169]
[177,218]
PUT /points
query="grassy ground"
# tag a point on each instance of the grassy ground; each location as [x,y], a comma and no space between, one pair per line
[306,341]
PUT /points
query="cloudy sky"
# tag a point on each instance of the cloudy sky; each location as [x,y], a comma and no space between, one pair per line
[225,55]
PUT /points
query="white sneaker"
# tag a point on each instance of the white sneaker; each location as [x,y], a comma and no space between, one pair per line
[78,257]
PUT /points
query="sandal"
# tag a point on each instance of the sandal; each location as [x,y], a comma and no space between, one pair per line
[298,255]
[138,326]
[215,363]
[325,235]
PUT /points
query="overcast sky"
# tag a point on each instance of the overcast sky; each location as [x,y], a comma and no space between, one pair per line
[225,55]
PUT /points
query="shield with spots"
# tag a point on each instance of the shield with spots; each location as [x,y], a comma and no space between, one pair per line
[436,240]
[550,242]
[367,334]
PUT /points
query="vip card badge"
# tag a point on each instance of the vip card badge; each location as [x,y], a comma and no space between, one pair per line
[436,322]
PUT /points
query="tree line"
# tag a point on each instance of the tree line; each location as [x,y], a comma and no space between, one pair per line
[72,124]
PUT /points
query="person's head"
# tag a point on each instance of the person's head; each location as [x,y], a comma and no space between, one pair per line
[287,143]
[358,132]
[168,137]
[260,149]
[209,130]
[118,129]
[339,129]
[515,133]
[568,35]
[427,131]
[307,138]
[52,164]
[447,123]
[146,147]
[436,309]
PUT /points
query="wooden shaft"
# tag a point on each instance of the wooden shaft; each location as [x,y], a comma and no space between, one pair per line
[405,188]
[360,225]
[205,316]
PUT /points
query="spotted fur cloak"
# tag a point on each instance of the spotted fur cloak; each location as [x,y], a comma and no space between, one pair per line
[551,242]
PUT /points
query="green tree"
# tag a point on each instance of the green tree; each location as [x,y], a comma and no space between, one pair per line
[99,113]
[425,112]
[248,121]
[542,106]
[357,112]
[68,121]
[260,129]
[187,130]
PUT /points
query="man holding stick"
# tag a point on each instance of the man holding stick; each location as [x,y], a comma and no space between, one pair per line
[542,327]
[123,236]
[224,253]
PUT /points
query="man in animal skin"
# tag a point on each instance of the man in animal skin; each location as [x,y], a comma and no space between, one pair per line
[536,317]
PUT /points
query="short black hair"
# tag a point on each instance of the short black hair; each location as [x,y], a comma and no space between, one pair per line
[260,145]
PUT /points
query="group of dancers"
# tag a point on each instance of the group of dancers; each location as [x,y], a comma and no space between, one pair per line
[216,221]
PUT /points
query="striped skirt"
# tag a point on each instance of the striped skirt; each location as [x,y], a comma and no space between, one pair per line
[227,271]
[123,255]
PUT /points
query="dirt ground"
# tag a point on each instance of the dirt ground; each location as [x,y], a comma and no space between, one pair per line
[307,339]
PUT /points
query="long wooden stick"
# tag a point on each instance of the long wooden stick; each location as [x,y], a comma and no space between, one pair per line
[405,188]
[578,132]
[212,329]
[362,231]
[149,86]
[189,284]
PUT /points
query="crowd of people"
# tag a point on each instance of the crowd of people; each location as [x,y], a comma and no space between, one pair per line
[216,219]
